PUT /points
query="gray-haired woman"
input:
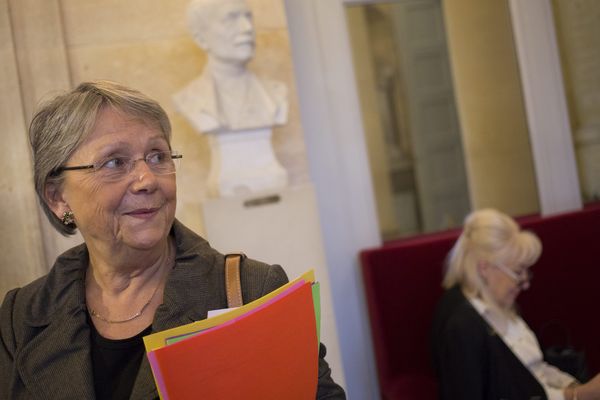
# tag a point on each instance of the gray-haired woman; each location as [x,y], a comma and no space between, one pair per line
[482,349]
[103,164]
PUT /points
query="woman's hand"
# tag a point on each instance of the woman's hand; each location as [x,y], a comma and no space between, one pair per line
[587,391]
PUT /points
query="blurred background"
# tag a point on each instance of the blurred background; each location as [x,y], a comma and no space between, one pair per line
[404,115]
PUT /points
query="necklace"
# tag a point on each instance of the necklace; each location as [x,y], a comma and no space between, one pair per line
[138,314]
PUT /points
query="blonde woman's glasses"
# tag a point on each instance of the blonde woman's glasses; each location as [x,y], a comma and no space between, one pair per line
[115,168]
[522,278]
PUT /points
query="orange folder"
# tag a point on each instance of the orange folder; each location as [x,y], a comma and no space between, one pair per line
[271,353]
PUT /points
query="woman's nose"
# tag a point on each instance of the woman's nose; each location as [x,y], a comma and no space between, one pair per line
[144,178]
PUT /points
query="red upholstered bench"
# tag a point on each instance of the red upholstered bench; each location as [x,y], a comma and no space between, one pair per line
[402,281]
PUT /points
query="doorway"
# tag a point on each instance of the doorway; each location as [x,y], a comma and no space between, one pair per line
[409,115]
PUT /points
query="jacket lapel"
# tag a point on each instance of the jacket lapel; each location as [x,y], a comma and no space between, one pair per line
[56,363]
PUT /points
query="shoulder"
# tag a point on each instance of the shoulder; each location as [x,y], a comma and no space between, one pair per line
[198,104]
[37,303]
[195,90]
[259,278]
[49,293]
[456,316]
[23,303]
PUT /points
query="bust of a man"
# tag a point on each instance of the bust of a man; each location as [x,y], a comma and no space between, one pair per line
[227,96]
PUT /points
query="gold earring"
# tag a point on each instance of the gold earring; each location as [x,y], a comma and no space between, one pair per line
[68,217]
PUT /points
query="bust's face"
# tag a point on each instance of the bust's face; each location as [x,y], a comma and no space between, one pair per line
[229,36]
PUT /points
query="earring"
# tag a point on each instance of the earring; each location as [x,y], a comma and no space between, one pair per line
[68,217]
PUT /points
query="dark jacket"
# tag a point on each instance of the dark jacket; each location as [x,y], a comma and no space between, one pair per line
[470,359]
[45,337]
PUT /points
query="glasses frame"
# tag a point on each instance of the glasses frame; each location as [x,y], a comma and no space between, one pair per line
[521,281]
[175,155]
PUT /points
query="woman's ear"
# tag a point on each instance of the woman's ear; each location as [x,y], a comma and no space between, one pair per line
[483,268]
[53,196]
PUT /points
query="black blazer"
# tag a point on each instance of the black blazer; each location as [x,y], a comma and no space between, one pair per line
[45,337]
[471,361]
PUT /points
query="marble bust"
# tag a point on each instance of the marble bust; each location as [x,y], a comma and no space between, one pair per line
[227,95]
[228,100]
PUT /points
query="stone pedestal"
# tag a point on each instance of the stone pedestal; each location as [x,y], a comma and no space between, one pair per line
[243,162]
[278,228]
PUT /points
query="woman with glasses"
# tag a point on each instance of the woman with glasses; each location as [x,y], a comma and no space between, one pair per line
[103,165]
[482,348]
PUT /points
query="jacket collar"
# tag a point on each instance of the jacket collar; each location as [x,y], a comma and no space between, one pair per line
[58,355]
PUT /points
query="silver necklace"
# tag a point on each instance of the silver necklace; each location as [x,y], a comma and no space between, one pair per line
[138,314]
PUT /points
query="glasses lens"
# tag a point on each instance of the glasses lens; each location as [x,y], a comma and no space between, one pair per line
[113,169]
[519,277]
[167,164]
[525,277]
[162,163]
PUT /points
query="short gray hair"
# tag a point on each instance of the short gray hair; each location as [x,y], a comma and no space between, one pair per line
[64,122]
[491,236]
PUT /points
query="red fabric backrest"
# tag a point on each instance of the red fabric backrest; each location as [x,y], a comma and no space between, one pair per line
[402,282]
[565,290]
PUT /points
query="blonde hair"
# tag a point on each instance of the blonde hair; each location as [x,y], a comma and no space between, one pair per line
[488,236]
[64,122]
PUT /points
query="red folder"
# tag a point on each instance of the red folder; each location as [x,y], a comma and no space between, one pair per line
[271,353]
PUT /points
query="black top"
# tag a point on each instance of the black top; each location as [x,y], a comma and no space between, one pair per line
[116,364]
[471,360]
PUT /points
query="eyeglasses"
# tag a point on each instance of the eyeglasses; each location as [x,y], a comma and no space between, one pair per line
[522,278]
[112,169]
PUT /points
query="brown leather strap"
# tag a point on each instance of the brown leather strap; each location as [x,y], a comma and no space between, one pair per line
[232,280]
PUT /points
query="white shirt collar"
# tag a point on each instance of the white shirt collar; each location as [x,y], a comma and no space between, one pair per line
[494,317]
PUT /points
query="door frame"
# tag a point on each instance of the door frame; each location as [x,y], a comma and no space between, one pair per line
[546,106]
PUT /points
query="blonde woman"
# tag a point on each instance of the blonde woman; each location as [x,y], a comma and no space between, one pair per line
[482,348]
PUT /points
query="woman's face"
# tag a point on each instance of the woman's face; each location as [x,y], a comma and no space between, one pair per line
[136,211]
[504,282]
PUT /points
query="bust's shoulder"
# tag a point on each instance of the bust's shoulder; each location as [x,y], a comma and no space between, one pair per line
[197,102]
[276,89]
[195,91]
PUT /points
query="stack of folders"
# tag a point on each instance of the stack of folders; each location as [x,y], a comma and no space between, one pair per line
[266,349]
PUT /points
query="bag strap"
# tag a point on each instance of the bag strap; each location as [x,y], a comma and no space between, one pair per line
[233,285]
